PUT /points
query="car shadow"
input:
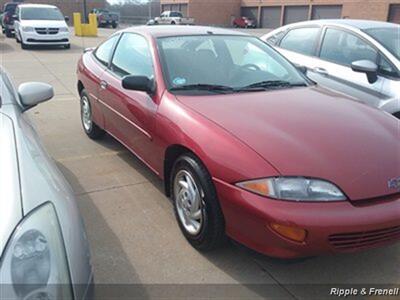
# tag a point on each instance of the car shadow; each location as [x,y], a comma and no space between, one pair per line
[108,248]
[5,47]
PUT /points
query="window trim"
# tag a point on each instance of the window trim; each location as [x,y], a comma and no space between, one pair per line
[357,35]
[317,41]
[109,67]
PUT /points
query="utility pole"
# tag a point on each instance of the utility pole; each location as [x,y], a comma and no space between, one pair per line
[85,13]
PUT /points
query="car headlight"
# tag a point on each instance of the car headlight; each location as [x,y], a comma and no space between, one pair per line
[27,29]
[34,264]
[294,189]
[64,29]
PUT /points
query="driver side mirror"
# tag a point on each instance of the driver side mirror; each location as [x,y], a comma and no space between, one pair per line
[368,67]
[138,83]
[33,93]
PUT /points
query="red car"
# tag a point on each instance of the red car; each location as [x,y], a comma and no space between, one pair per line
[248,147]
[244,22]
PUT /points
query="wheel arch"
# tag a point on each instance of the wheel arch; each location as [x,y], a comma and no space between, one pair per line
[171,155]
[80,87]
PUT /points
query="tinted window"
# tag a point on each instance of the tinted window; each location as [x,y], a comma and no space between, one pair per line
[175,14]
[41,13]
[301,40]
[386,68]
[10,7]
[344,48]
[132,56]
[104,51]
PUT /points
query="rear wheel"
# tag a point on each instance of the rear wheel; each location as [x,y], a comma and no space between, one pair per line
[173,23]
[114,25]
[91,129]
[68,46]
[196,204]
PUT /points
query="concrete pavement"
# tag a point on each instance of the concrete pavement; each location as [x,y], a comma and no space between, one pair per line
[131,226]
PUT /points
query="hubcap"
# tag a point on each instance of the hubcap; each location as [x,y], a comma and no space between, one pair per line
[86,113]
[189,202]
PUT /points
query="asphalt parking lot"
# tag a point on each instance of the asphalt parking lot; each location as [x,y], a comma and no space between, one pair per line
[131,227]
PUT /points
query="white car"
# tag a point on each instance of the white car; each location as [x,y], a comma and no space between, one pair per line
[38,24]
[359,58]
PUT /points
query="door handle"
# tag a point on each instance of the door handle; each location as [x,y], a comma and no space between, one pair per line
[321,71]
[103,85]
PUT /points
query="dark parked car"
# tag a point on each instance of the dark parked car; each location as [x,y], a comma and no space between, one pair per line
[244,22]
[106,18]
[7,20]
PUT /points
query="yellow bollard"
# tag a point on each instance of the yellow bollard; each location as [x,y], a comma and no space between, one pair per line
[85,29]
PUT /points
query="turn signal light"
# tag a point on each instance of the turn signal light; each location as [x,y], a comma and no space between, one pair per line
[292,233]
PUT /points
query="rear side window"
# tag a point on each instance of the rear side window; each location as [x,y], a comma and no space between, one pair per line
[345,48]
[132,57]
[301,40]
[104,51]
[273,40]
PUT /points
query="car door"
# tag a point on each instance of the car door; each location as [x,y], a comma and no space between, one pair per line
[98,62]
[338,50]
[129,115]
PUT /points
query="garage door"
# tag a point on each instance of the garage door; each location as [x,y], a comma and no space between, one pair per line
[165,7]
[394,13]
[174,7]
[326,12]
[271,17]
[295,14]
[184,9]
[250,12]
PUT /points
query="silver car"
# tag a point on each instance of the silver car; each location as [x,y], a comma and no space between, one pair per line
[356,57]
[44,252]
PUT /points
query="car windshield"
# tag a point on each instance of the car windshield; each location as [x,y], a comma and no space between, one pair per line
[388,37]
[41,13]
[224,63]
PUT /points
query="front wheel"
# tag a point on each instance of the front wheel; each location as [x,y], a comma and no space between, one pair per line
[196,204]
[8,33]
[91,129]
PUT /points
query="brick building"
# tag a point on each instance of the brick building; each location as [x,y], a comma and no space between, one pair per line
[275,13]
[68,7]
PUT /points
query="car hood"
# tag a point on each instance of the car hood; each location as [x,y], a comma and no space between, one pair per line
[313,132]
[44,23]
[10,200]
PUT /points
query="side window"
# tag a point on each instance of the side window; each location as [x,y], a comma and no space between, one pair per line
[344,48]
[386,68]
[132,57]
[301,40]
[104,51]
[273,40]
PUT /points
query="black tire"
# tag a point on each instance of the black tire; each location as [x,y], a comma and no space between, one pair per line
[8,33]
[155,22]
[212,232]
[173,23]
[24,46]
[68,46]
[94,132]
[114,25]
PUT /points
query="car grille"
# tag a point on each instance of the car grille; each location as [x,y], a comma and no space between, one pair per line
[358,240]
[47,30]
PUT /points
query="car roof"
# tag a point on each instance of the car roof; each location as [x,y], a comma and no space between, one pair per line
[174,30]
[37,5]
[355,23]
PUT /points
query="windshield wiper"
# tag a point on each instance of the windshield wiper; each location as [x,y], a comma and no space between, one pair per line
[270,84]
[204,87]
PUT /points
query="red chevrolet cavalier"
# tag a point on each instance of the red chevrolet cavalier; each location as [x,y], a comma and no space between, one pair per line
[248,147]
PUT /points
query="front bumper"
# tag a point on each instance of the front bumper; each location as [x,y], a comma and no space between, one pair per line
[333,227]
[33,38]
